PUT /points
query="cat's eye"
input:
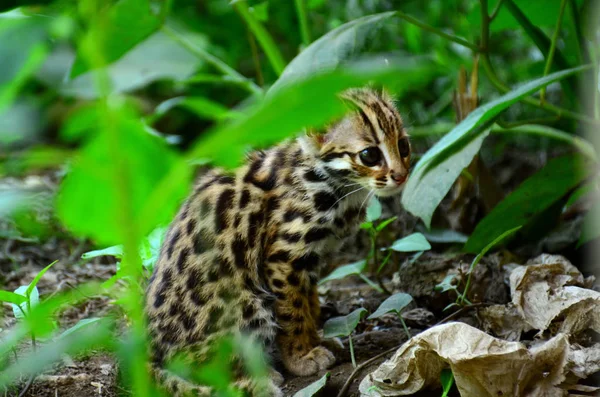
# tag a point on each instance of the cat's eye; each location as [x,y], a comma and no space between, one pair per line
[403,147]
[370,156]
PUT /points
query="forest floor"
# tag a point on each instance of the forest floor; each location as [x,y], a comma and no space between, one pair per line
[96,373]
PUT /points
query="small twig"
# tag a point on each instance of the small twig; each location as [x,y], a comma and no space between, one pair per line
[494,13]
[346,386]
[462,310]
[550,56]
[27,386]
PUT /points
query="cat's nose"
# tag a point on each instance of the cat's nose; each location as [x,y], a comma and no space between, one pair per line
[399,177]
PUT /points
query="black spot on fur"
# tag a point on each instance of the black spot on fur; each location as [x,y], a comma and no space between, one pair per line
[159,299]
[197,298]
[298,331]
[272,204]
[292,214]
[188,321]
[225,268]
[297,303]
[279,256]
[313,278]
[223,204]
[292,237]
[194,279]
[316,234]
[200,245]
[312,176]
[306,262]
[327,157]
[225,180]
[236,221]
[213,318]
[238,247]
[244,198]
[172,242]
[248,312]
[181,260]
[277,283]
[264,184]
[284,317]
[324,201]
[227,293]
[336,173]
[293,279]
[191,226]
[339,222]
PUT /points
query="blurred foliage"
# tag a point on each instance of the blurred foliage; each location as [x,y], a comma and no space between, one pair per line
[126,97]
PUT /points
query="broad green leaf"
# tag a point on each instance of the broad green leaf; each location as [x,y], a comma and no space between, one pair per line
[344,271]
[448,236]
[122,171]
[150,250]
[202,107]
[439,167]
[129,22]
[157,57]
[313,388]
[533,196]
[12,297]
[411,243]
[22,52]
[374,209]
[115,250]
[343,325]
[394,303]
[306,104]
[80,324]
[329,51]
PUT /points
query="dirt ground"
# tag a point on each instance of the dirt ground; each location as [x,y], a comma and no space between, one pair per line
[96,372]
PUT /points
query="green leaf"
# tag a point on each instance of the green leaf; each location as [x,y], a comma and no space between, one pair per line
[129,23]
[122,171]
[22,52]
[385,223]
[155,58]
[346,270]
[31,300]
[411,243]
[331,50]
[37,278]
[115,250]
[447,236]
[447,380]
[308,103]
[343,325]
[446,284]
[374,209]
[313,388]
[533,196]
[11,297]
[80,324]
[439,167]
[394,303]
[202,107]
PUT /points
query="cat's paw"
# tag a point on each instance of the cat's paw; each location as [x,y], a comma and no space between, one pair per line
[314,361]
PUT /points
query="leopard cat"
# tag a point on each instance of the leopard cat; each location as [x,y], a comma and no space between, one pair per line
[244,252]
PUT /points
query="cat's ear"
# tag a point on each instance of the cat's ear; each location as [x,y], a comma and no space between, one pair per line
[313,141]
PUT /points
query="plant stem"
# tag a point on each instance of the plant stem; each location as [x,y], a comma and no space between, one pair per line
[165,10]
[264,38]
[352,351]
[436,31]
[550,56]
[213,61]
[256,59]
[408,336]
[371,283]
[303,22]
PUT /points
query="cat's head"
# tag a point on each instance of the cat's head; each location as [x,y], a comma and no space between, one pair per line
[369,146]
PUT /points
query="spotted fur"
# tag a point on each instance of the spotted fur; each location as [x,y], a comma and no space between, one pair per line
[244,253]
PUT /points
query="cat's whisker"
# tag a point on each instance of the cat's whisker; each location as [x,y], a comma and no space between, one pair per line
[371,192]
[346,195]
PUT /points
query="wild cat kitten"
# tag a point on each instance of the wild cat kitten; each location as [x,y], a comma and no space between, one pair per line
[243,254]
